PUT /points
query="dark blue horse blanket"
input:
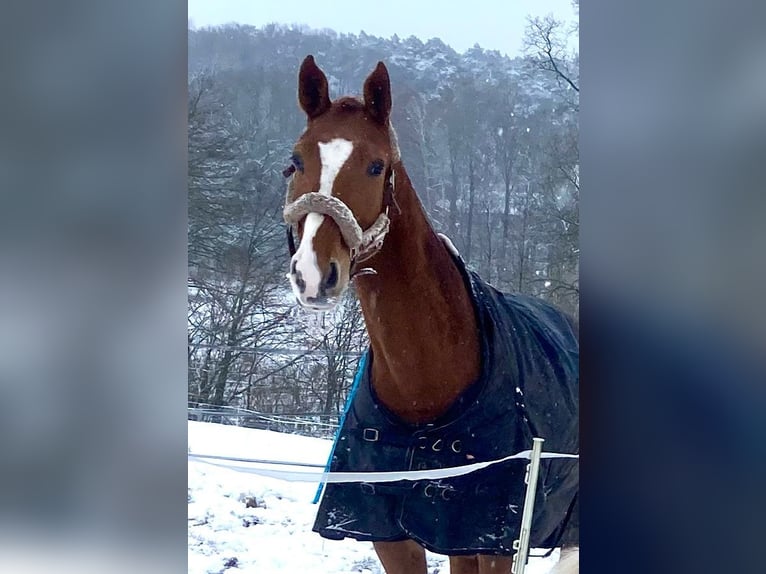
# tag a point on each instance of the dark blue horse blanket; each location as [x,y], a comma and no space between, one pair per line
[528,388]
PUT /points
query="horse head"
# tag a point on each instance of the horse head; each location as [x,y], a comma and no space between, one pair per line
[341,184]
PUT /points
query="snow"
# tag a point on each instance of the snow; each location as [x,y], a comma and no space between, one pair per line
[245,523]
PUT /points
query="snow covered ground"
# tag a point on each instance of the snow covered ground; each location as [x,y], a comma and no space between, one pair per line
[245,523]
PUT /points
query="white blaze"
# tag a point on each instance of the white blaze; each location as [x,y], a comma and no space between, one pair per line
[332,156]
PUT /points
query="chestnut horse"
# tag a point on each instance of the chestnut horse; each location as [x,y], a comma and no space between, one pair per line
[351,201]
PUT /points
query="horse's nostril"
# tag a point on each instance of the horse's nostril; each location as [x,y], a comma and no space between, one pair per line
[293,267]
[332,276]
[299,282]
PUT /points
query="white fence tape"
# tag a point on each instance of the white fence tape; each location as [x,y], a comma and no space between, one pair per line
[253,466]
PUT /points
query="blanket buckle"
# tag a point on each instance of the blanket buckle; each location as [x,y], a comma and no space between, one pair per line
[371,434]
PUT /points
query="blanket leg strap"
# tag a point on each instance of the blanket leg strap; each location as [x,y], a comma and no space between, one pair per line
[521,545]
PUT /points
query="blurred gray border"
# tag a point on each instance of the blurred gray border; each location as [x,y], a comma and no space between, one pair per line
[93,286]
[673,243]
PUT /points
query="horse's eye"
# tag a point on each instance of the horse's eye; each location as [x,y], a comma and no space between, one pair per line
[297,161]
[376,167]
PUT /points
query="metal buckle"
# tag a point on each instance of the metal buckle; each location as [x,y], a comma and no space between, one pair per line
[371,434]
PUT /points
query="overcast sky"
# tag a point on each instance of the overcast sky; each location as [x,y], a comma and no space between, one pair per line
[493,24]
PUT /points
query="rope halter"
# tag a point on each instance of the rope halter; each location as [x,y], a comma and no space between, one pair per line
[362,244]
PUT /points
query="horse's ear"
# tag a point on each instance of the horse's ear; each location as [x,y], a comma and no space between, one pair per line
[377,94]
[313,93]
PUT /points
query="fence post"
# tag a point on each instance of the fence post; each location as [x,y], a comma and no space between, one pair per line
[521,545]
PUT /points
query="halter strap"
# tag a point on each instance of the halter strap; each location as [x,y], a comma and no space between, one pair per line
[315,202]
[362,244]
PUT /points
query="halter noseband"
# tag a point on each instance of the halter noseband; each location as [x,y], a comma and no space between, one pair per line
[362,244]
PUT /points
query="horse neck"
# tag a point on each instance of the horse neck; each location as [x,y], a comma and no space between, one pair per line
[419,317]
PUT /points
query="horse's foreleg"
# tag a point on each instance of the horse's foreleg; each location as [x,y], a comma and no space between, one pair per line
[480,564]
[463,565]
[403,557]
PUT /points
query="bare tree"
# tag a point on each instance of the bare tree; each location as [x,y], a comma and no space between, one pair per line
[347,336]
[545,41]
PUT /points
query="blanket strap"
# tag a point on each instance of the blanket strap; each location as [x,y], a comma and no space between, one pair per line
[354,387]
